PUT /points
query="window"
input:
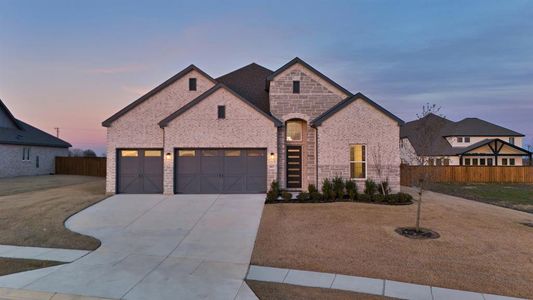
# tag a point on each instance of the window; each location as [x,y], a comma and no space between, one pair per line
[26,153]
[129,153]
[504,161]
[511,140]
[489,161]
[256,153]
[296,87]
[511,161]
[439,161]
[209,152]
[186,153]
[459,139]
[446,161]
[294,131]
[481,161]
[37,161]
[232,153]
[431,162]
[192,84]
[467,161]
[358,161]
[474,162]
[467,139]
[152,153]
[221,111]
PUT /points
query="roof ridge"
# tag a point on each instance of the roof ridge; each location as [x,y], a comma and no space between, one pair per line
[239,69]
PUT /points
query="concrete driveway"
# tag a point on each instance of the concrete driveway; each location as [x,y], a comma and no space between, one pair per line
[158,247]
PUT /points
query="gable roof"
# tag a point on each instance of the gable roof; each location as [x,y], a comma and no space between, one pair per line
[4,108]
[339,106]
[25,134]
[443,128]
[249,82]
[154,91]
[478,127]
[297,60]
[488,141]
[206,94]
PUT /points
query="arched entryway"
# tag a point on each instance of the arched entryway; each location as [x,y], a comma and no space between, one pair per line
[295,154]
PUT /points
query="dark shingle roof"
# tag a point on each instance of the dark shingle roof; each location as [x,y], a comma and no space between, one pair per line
[249,82]
[25,134]
[438,128]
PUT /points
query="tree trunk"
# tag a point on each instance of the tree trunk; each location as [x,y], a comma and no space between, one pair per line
[418,208]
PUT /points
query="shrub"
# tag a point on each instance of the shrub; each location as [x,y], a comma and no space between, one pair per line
[286,196]
[351,189]
[364,198]
[391,198]
[370,187]
[312,189]
[274,187]
[378,198]
[327,190]
[384,188]
[404,198]
[271,196]
[303,196]
[338,187]
[315,196]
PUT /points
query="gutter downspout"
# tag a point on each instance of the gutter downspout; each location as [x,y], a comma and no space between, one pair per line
[316,157]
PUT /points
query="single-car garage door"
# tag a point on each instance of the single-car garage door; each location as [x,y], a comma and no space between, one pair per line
[140,171]
[214,171]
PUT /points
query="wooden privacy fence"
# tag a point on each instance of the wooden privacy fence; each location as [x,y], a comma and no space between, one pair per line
[88,166]
[409,175]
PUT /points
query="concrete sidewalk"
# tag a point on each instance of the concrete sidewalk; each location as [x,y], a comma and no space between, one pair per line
[158,247]
[389,288]
[55,254]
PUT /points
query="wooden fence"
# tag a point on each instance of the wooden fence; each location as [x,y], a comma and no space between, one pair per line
[409,175]
[88,166]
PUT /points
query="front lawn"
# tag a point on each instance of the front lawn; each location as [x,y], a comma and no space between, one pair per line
[14,265]
[516,196]
[35,218]
[482,248]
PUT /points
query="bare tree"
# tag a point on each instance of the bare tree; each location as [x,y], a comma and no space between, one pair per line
[382,165]
[424,156]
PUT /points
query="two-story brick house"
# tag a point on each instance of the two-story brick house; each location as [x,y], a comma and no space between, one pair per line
[239,132]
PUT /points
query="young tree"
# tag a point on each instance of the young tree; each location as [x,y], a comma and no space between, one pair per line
[426,135]
[381,161]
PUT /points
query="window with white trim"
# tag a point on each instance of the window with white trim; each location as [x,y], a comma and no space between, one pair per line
[467,139]
[358,161]
[511,140]
[25,153]
[511,161]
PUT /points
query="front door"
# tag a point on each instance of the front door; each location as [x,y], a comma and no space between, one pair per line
[294,167]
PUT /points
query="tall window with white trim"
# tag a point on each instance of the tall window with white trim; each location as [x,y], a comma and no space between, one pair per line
[358,161]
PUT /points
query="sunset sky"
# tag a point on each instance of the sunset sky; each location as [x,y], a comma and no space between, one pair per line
[72,64]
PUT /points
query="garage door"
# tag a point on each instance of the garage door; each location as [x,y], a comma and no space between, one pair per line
[140,171]
[214,171]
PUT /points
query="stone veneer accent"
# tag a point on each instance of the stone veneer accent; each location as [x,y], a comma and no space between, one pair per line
[11,163]
[139,127]
[359,123]
[315,97]
[199,127]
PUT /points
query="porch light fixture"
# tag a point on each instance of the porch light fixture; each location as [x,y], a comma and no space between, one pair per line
[272,155]
[168,156]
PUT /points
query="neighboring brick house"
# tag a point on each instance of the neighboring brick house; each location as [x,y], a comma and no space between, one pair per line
[26,150]
[434,140]
[239,132]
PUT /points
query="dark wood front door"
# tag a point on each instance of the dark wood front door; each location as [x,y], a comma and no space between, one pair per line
[294,167]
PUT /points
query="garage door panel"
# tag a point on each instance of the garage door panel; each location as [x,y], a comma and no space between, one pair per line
[233,184]
[188,184]
[140,171]
[256,184]
[210,184]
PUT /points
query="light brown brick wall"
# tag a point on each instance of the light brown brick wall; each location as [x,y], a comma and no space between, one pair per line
[139,127]
[359,123]
[200,127]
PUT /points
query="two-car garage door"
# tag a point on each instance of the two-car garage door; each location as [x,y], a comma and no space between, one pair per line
[196,171]
[213,171]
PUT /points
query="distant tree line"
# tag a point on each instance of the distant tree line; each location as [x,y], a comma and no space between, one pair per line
[76,152]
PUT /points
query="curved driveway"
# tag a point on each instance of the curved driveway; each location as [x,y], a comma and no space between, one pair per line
[159,247]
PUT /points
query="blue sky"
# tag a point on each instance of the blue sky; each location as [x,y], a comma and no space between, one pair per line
[72,64]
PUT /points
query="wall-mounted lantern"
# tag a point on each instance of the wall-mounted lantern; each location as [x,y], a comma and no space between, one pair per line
[168,156]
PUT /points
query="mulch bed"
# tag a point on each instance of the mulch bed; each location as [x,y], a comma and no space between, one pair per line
[334,201]
[421,234]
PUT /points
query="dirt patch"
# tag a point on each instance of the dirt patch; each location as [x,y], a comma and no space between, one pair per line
[482,248]
[281,291]
[15,265]
[420,234]
[36,218]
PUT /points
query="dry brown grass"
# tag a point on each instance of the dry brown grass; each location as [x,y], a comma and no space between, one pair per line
[280,291]
[35,218]
[482,248]
[14,265]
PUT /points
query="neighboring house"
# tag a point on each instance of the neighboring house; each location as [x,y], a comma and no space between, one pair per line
[434,140]
[239,132]
[26,150]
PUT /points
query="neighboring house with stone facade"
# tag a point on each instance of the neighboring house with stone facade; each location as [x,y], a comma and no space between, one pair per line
[434,140]
[26,150]
[241,131]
